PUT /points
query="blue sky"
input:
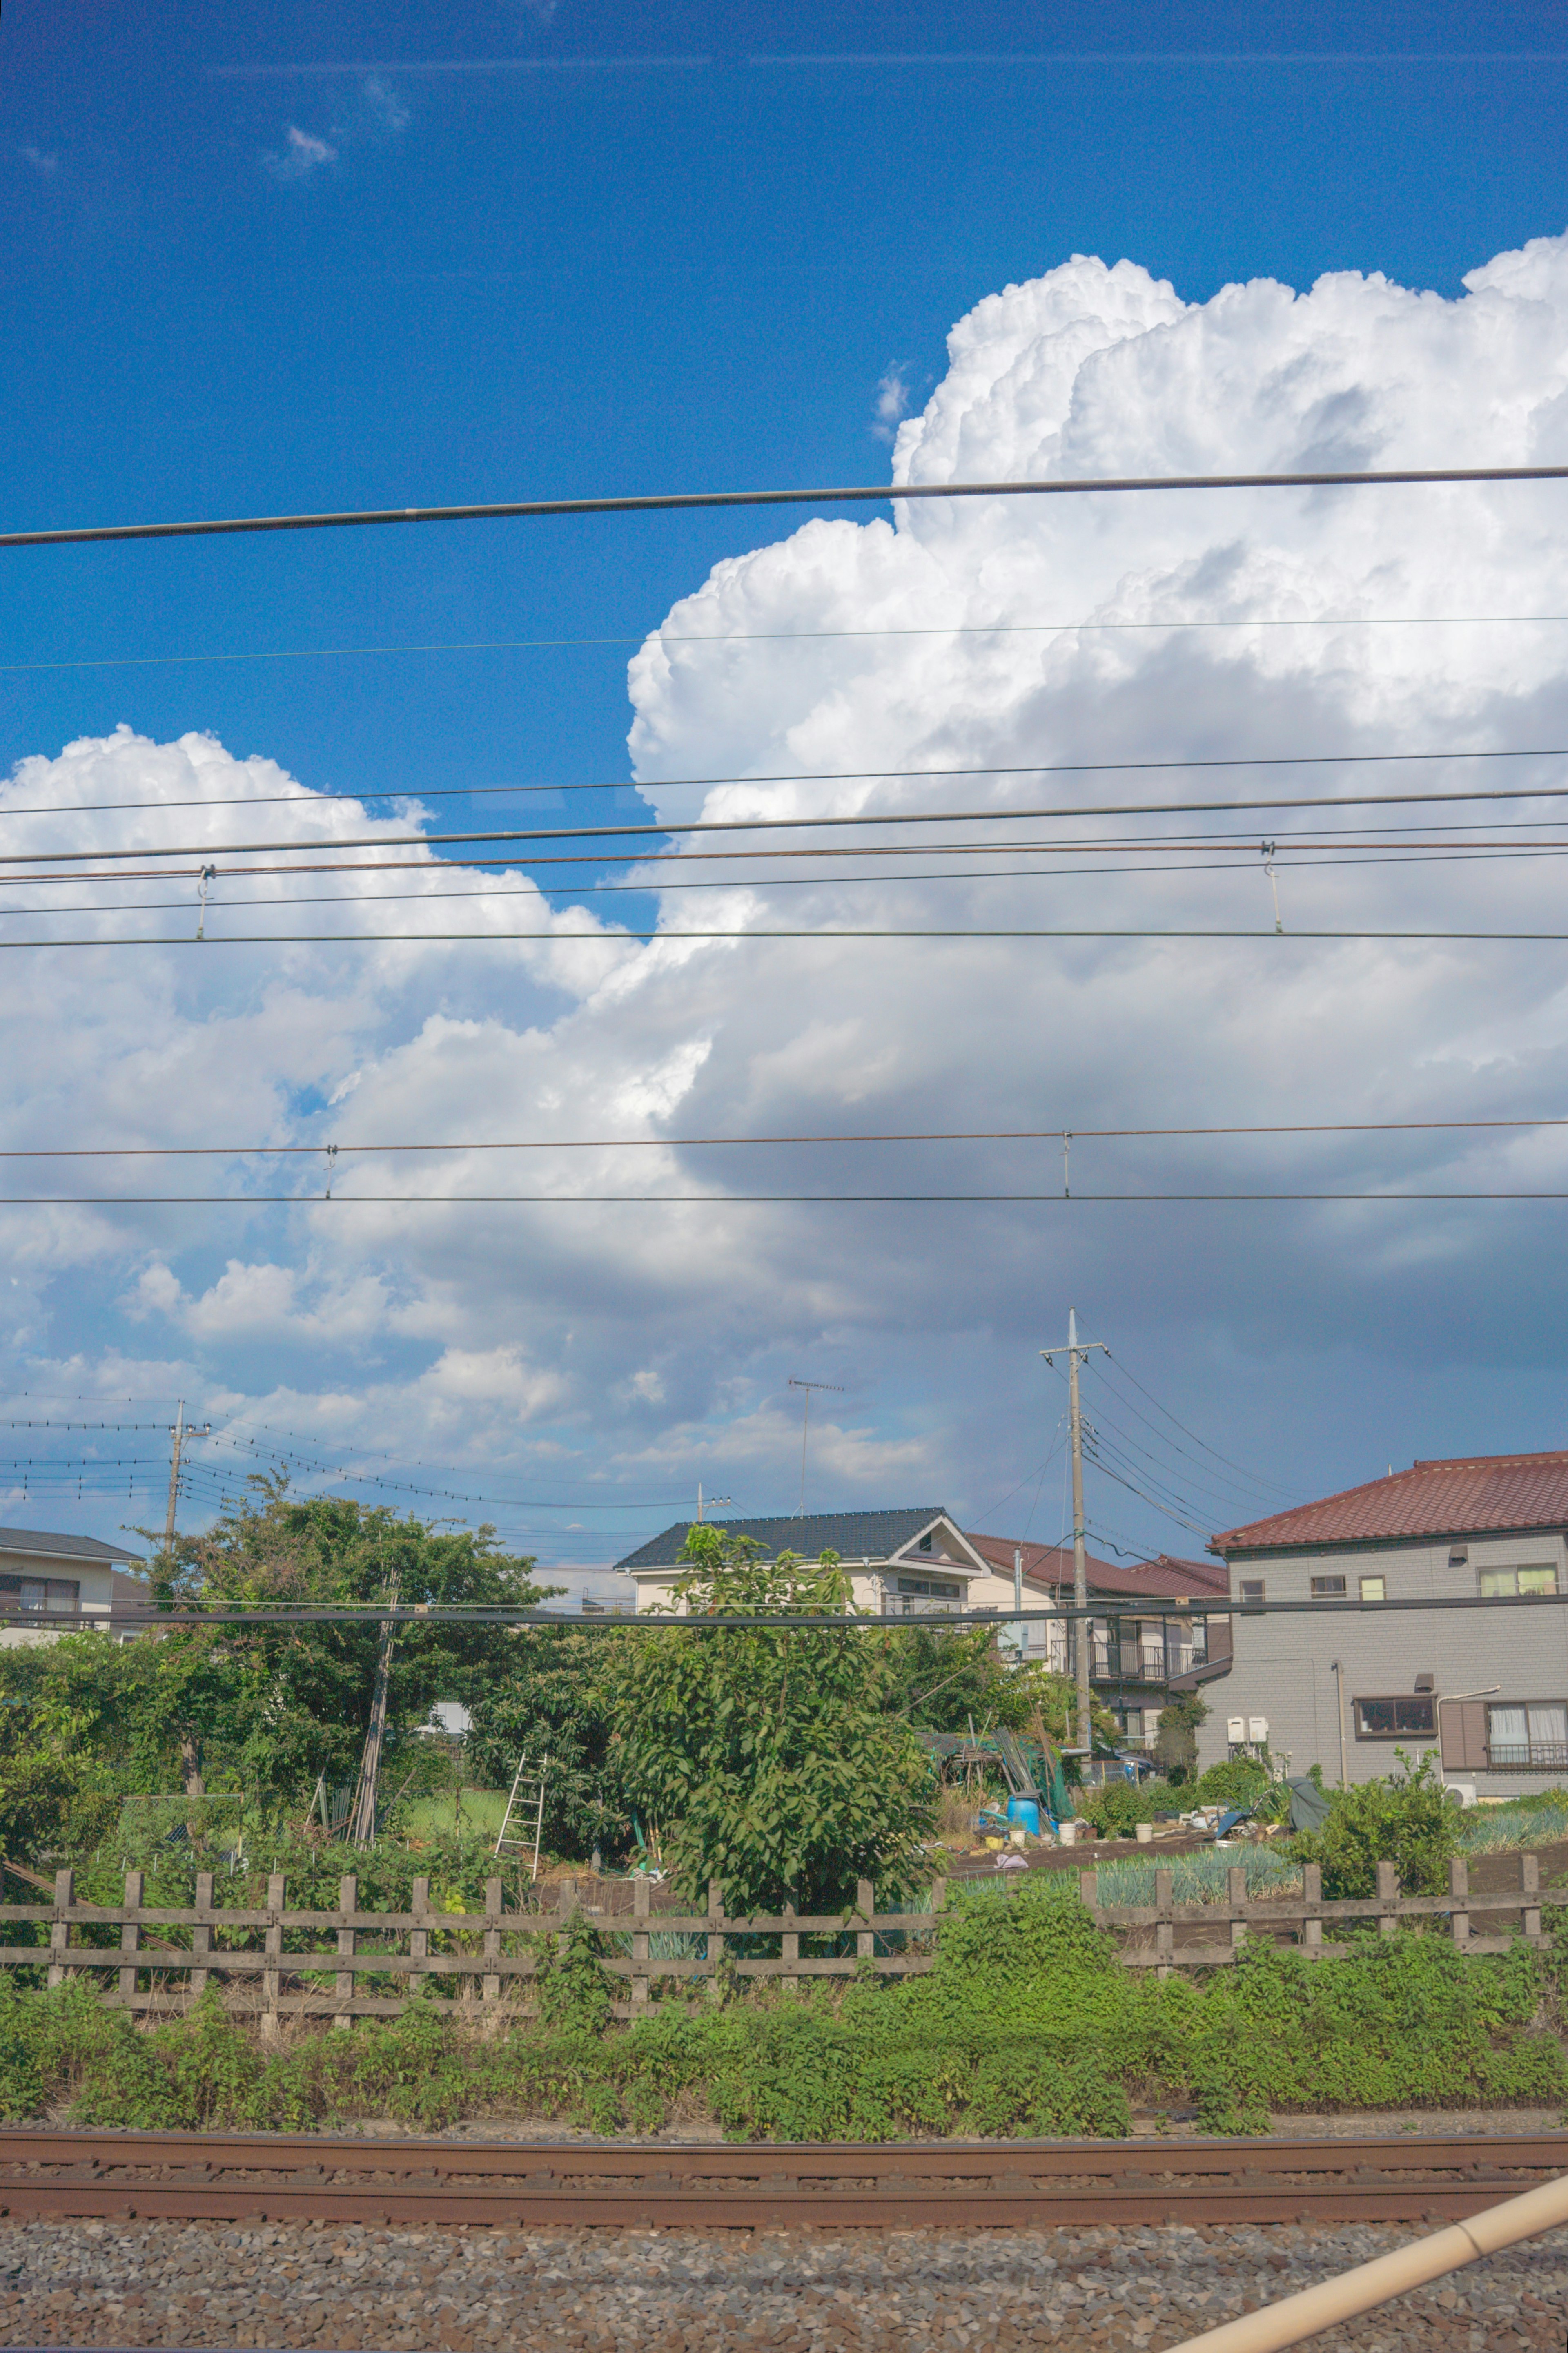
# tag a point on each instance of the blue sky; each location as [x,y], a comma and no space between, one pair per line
[344,256]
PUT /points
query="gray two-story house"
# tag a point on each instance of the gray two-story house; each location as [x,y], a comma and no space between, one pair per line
[1488,1686]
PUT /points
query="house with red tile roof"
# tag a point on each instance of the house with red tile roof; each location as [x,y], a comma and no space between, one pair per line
[1147,1646]
[1426,1609]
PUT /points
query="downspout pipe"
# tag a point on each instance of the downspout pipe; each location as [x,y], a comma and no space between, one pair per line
[1370,2284]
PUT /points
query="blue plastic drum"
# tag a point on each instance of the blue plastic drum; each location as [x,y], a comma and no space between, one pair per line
[1026,1813]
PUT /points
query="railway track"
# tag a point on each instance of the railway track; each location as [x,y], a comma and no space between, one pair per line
[229,2177]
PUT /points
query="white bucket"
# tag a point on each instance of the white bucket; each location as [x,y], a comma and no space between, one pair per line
[1145,1833]
[1068,1835]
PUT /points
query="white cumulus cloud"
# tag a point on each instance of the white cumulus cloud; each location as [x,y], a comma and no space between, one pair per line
[1000,642]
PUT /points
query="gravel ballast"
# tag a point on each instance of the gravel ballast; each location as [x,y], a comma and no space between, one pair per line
[790,2291]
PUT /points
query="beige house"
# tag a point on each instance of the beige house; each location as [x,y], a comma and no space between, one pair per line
[913,1563]
[43,1574]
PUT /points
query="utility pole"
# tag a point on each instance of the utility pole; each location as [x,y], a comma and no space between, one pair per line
[1083,1640]
[805,1427]
[361,1827]
[179,1435]
[1020,1630]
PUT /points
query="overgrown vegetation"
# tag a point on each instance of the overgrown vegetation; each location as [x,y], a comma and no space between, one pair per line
[1026,2025]
[1406,1819]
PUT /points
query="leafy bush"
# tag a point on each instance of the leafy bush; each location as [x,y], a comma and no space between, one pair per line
[1116,1808]
[1239,1781]
[1404,1820]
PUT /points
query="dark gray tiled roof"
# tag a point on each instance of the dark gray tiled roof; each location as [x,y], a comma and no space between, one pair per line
[37,1542]
[854,1536]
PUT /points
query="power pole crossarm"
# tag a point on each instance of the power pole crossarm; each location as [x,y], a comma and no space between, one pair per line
[1082,1632]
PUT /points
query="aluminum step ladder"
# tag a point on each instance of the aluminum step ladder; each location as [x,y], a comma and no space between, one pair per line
[526,1803]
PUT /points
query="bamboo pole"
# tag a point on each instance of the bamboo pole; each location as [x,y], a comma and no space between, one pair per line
[1278,2326]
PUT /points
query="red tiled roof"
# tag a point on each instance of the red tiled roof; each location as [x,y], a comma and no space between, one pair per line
[1466,1497]
[1048,1567]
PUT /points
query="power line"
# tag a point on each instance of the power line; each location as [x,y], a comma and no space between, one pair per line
[879,493]
[692,825]
[821,933]
[663,636]
[1116,1362]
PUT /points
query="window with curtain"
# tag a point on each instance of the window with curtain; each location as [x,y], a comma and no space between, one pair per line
[1499,1584]
[1531,1738]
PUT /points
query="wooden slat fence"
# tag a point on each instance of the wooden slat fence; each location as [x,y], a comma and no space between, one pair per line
[310,1963]
[1153,1942]
[275,1963]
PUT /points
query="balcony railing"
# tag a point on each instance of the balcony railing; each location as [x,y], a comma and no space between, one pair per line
[1527,1757]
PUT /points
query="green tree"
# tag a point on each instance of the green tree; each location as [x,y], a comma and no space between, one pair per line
[767,1757]
[1176,1733]
[275,1705]
[550,1692]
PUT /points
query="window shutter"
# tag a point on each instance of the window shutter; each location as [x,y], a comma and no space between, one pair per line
[1464,1735]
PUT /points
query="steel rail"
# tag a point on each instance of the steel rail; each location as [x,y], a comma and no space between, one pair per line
[68,2174]
[884,493]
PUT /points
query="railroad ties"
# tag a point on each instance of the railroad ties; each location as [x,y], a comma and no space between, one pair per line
[1003,2185]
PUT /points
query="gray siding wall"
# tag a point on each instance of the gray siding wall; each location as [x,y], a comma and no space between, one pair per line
[1282,1667]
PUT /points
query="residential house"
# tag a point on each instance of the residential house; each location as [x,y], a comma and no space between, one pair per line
[44,1572]
[1487,1685]
[901,1564]
[1148,1646]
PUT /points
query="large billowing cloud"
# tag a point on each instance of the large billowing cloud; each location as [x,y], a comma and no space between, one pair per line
[642,1346]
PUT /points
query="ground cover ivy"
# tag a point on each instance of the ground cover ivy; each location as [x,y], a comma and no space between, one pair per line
[1028,2025]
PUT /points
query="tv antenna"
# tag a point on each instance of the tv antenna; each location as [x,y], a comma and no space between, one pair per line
[837,1386]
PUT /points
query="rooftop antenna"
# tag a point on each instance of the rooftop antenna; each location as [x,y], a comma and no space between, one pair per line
[837,1386]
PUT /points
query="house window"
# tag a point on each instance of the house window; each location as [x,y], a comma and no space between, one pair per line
[1328,1588]
[1253,1592]
[924,1544]
[1374,1589]
[1530,1738]
[1499,1584]
[1393,1719]
[935,1586]
[55,1593]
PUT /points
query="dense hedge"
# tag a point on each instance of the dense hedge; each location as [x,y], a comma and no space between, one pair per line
[1028,2025]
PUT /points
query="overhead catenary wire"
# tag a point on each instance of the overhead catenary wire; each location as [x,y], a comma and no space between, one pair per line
[878,493]
[766,827]
[339,1201]
[864,1135]
[656,886]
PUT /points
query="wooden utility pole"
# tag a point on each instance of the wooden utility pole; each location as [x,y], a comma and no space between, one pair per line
[179,1435]
[361,1827]
[1083,1640]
